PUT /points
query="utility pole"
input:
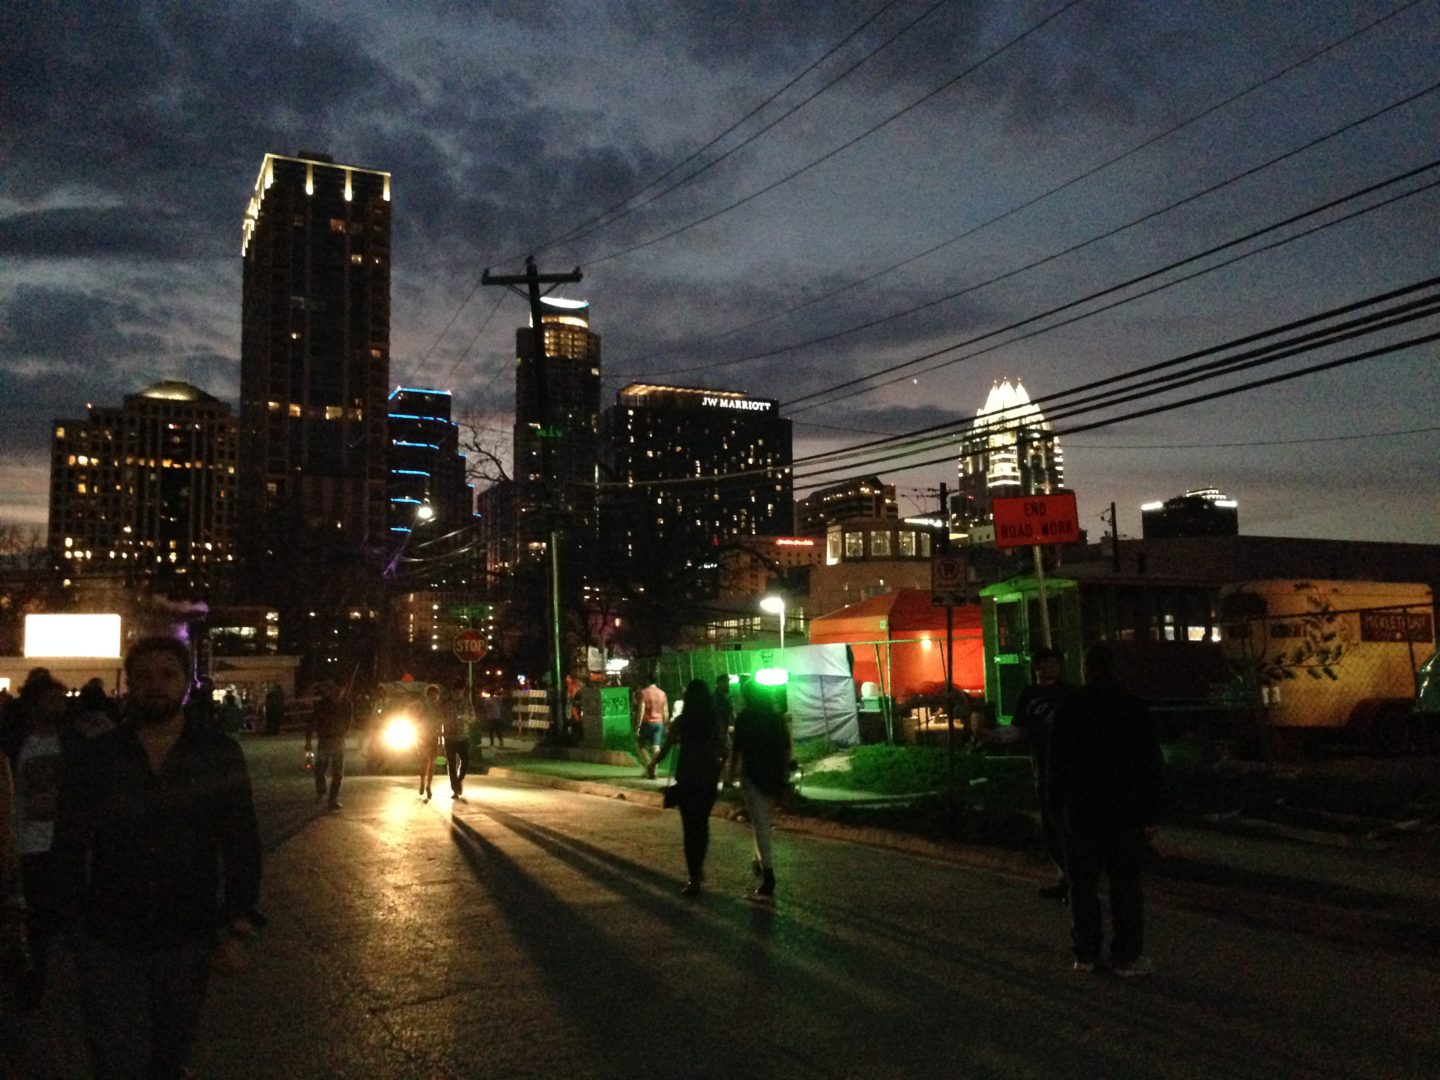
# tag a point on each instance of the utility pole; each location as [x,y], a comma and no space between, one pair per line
[532,279]
[1027,487]
[949,643]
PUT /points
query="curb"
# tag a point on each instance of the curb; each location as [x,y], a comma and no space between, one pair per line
[1369,928]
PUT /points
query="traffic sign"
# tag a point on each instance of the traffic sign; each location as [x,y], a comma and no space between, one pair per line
[1025,520]
[470,646]
[949,583]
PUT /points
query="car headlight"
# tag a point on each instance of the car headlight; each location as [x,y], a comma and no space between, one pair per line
[399,733]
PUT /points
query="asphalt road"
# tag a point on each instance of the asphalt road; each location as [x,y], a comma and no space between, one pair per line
[536,932]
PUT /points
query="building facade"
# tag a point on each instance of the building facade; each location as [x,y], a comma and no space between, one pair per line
[1199,512]
[863,498]
[557,424]
[427,470]
[694,469]
[1010,449]
[145,494]
[315,350]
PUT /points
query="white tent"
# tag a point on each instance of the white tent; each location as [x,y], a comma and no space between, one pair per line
[820,692]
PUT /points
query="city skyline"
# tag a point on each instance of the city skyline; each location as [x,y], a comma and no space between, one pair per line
[119,218]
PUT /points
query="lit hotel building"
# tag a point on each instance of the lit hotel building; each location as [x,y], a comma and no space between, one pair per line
[145,493]
[693,470]
[1010,449]
[315,351]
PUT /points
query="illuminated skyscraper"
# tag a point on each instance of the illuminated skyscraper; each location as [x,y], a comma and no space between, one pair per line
[557,423]
[1010,449]
[695,470]
[144,494]
[314,378]
[315,350]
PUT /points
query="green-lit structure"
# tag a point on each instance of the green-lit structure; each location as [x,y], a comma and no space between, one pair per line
[1010,621]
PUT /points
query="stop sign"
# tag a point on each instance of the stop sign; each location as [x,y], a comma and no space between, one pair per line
[470,646]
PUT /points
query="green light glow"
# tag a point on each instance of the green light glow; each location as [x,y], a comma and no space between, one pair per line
[772,676]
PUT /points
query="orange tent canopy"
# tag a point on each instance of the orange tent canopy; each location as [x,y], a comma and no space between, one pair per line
[897,639]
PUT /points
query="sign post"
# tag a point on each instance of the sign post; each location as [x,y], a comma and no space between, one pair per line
[1036,520]
[470,647]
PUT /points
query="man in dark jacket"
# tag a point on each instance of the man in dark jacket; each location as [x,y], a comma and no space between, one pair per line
[1034,712]
[1104,783]
[328,725]
[167,806]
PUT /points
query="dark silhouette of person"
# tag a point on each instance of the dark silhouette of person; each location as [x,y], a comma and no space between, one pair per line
[1105,779]
[1034,712]
[699,733]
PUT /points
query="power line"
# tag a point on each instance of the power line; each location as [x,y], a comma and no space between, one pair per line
[1176,264]
[598,222]
[1012,211]
[842,147]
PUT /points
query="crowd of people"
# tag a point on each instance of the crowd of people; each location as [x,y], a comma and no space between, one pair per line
[130,867]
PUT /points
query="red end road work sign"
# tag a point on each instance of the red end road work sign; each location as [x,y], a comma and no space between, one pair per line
[470,646]
[1024,520]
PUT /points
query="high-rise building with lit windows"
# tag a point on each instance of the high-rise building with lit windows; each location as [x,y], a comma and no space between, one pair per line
[427,470]
[314,379]
[1010,449]
[144,494]
[693,470]
[315,351]
[557,424]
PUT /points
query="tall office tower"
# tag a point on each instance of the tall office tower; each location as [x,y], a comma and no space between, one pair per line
[695,469]
[1010,449]
[314,378]
[144,494]
[427,470]
[865,497]
[557,424]
[315,351]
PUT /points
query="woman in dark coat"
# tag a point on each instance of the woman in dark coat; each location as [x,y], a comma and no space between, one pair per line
[700,736]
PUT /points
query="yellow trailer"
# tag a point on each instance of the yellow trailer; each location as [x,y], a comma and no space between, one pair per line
[1332,656]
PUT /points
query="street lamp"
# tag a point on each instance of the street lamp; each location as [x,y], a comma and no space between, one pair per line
[776,606]
[423,512]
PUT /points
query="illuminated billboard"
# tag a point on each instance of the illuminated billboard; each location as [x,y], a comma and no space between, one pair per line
[87,636]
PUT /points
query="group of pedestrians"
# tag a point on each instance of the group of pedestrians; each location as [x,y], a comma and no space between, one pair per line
[136,859]
[1098,768]
[713,748]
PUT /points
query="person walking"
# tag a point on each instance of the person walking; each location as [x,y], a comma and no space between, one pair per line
[494,712]
[653,711]
[164,802]
[456,724]
[760,757]
[698,736]
[1034,712]
[328,724]
[1105,780]
[429,722]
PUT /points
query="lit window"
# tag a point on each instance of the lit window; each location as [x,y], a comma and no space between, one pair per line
[337,225]
[294,409]
[357,259]
[854,545]
[333,412]
[880,544]
[907,544]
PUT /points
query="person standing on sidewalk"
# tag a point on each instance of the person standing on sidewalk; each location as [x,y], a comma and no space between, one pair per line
[1105,774]
[760,756]
[329,723]
[165,803]
[1034,712]
[653,707]
[699,735]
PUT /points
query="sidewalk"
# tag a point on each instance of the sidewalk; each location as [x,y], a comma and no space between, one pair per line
[1382,893]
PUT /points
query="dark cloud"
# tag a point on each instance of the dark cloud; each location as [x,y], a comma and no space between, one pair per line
[97,232]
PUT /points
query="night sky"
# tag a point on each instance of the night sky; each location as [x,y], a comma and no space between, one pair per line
[959,171]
